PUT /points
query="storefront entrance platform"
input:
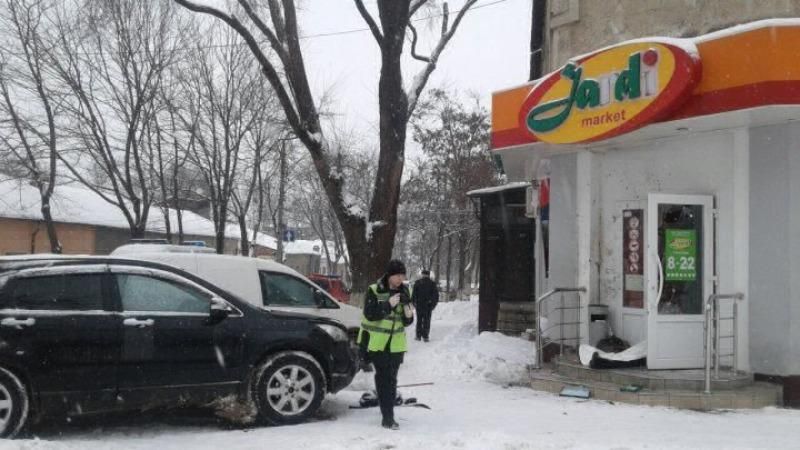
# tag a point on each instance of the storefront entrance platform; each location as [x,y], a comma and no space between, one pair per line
[683,389]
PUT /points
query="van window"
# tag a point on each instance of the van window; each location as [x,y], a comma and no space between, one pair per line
[279,289]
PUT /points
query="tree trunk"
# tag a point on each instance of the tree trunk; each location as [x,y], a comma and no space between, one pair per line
[52,235]
[281,199]
[439,239]
[462,259]
[449,262]
[33,240]
[167,225]
[137,231]
[219,241]
[245,243]
[180,221]
[362,277]
[393,113]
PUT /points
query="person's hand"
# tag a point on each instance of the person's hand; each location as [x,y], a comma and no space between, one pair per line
[408,310]
[394,300]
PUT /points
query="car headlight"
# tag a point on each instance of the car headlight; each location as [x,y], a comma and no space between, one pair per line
[334,332]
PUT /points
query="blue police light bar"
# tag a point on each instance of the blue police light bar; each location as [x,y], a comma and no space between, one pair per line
[194,243]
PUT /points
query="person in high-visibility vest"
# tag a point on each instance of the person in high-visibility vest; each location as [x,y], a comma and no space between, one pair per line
[387,312]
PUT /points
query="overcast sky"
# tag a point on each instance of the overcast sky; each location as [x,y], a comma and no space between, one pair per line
[489,52]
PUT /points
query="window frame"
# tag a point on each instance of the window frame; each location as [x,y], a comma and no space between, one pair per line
[107,302]
[163,275]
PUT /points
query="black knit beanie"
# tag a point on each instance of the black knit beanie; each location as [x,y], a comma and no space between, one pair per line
[395,267]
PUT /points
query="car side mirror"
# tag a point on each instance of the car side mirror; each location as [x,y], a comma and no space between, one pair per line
[220,310]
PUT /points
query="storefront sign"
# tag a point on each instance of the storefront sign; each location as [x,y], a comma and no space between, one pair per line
[633,259]
[610,92]
[680,255]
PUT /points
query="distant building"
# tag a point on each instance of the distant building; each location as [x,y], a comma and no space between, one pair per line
[309,257]
[87,224]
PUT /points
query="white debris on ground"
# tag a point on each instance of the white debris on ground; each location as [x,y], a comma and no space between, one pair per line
[473,407]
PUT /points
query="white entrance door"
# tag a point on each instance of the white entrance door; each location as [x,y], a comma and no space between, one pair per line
[680,270]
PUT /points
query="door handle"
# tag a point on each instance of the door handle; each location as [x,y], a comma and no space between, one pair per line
[660,270]
[18,324]
[138,323]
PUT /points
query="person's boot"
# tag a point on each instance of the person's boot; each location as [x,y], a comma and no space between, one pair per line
[426,339]
[390,424]
[416,338]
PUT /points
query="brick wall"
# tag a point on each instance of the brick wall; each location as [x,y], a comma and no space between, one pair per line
[30,236]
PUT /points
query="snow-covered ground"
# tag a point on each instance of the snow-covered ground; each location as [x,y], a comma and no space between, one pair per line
[475,406]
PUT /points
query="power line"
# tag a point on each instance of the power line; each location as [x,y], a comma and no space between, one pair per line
[433,16]
[306,37]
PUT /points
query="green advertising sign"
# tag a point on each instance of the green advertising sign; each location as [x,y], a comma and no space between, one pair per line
[680,255]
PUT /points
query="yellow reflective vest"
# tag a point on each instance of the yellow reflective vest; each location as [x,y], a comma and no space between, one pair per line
[380,331]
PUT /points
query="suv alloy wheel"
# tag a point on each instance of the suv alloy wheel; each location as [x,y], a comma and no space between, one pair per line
[289,388]
[13,404]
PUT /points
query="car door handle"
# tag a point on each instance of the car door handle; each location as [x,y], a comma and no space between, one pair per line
[16,323]
[138,323]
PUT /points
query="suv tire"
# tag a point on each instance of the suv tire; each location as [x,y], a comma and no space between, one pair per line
[14,404]
[289,388]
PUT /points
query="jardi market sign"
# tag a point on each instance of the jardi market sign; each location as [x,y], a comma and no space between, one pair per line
[611,92]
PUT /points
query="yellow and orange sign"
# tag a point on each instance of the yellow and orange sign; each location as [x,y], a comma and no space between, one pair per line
[749,66]
[610,92]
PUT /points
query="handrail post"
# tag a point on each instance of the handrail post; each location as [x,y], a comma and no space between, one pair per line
[712,319]
[539,338]
[561,328]
[735,365]
[717,339]
[708,346]
[539,309]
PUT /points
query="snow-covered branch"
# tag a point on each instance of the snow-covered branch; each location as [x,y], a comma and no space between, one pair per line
[421,79]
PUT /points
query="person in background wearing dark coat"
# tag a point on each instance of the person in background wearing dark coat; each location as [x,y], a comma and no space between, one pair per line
[425,296]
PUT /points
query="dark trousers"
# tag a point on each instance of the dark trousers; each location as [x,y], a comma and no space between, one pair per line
[424,314]
[386,366]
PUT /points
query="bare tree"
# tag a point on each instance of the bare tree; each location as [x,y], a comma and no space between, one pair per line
[226,99]
[370,237]
[112,58]
[252,181]
[28,96]
[454,138]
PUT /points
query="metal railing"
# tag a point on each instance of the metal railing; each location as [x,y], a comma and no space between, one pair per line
[714,337]
[540,332]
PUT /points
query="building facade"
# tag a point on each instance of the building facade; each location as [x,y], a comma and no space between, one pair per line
[673,167]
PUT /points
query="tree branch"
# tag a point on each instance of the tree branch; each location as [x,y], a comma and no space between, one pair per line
[422,78]
[373,27]
[275,41]
[414,39]
[266,66]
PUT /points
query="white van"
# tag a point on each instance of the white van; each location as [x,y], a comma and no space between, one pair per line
[261,282]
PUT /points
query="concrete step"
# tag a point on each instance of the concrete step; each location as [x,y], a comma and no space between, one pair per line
[755,395]
[684,380]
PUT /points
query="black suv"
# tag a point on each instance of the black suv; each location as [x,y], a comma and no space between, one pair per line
[82,335]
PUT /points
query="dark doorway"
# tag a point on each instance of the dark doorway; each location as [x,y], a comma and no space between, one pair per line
[507,260]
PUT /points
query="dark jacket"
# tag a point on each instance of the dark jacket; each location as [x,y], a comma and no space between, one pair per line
[375,310]
[425,293]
